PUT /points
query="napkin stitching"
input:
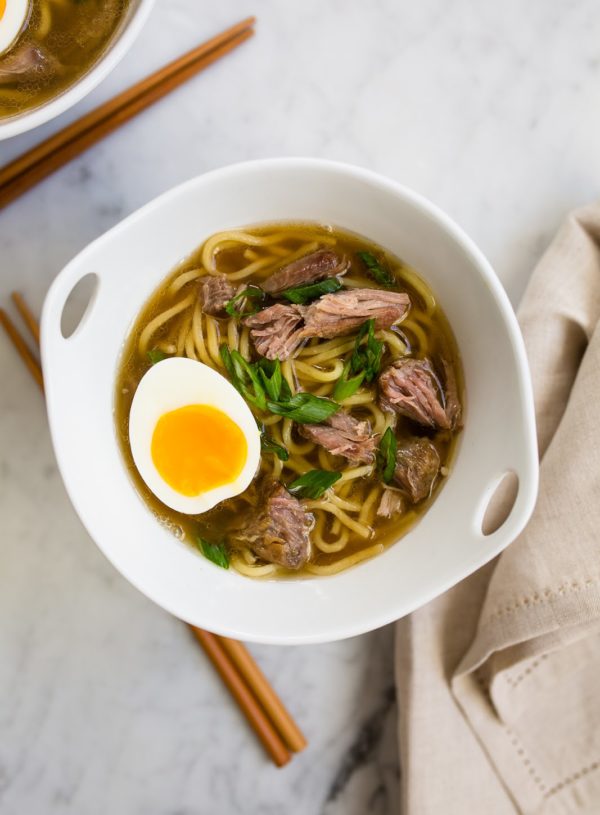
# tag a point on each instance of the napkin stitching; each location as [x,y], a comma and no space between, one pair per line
[572,779]
[548,595]
[526,761]
[518,679]
[536,776]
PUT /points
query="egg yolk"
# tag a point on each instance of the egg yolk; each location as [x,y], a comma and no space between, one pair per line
[2,8]
[197,448]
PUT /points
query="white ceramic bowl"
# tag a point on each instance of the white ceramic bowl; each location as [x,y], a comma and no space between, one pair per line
[121,42]
[499,434]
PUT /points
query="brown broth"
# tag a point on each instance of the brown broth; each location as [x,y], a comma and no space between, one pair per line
[78,32]
[214,524]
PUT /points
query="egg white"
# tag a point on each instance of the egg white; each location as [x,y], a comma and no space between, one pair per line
[12,21]
[175,383]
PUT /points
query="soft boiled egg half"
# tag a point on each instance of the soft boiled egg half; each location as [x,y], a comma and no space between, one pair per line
[13,15]
[192,436]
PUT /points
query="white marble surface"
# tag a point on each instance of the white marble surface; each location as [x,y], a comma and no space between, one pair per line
[491,109]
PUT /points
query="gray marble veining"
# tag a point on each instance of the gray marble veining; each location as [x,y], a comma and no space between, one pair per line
[490,109]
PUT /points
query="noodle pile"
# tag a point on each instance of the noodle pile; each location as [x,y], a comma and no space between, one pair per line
[345,515]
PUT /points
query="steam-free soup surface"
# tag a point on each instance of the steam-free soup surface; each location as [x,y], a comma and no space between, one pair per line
[59,42]
[363,511]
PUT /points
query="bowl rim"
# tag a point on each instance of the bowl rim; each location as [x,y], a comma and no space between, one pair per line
[390,611]
[111,57]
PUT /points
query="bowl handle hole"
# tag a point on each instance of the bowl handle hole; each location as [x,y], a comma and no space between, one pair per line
[500,502]
[78,304]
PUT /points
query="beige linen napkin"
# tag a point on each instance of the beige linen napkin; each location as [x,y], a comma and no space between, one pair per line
[499,679]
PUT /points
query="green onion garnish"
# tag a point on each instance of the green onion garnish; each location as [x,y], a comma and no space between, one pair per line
[156,355]
[345,386]
[253,294]
[364,363]
[271,376]
[376,270]
[310,291]
[386,456]
[313,483]
[267,445]
[304,408]
[214,551]
[244,377]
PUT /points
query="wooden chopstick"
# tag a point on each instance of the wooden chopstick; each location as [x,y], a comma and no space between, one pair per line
[27,316]
[245,681]
[272,704]
[34,165]
[270,738]
[34,367]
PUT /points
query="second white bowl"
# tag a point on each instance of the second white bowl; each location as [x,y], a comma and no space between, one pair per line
[122,41]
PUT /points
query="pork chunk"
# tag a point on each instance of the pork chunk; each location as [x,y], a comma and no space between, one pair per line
[411,388]
[216,291]
[343,312]
[278,531]
[391,503]
[308,269]
[277,331]
[417,467]
[343,435]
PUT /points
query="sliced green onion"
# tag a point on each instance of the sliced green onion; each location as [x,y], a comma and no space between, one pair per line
[216,552]
[364,363]
[227,361]
[253,294]
[367,357]
[156,355]
[243,377]
[313,484]
[242,367]
[386,456]
[304,408]
[310,291]
[286,393]
[272,378]
[375,269]
[267,445]
[345,386]
[263,385]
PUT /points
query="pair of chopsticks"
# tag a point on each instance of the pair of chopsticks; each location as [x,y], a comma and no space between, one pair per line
[264,710]
[33,166]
